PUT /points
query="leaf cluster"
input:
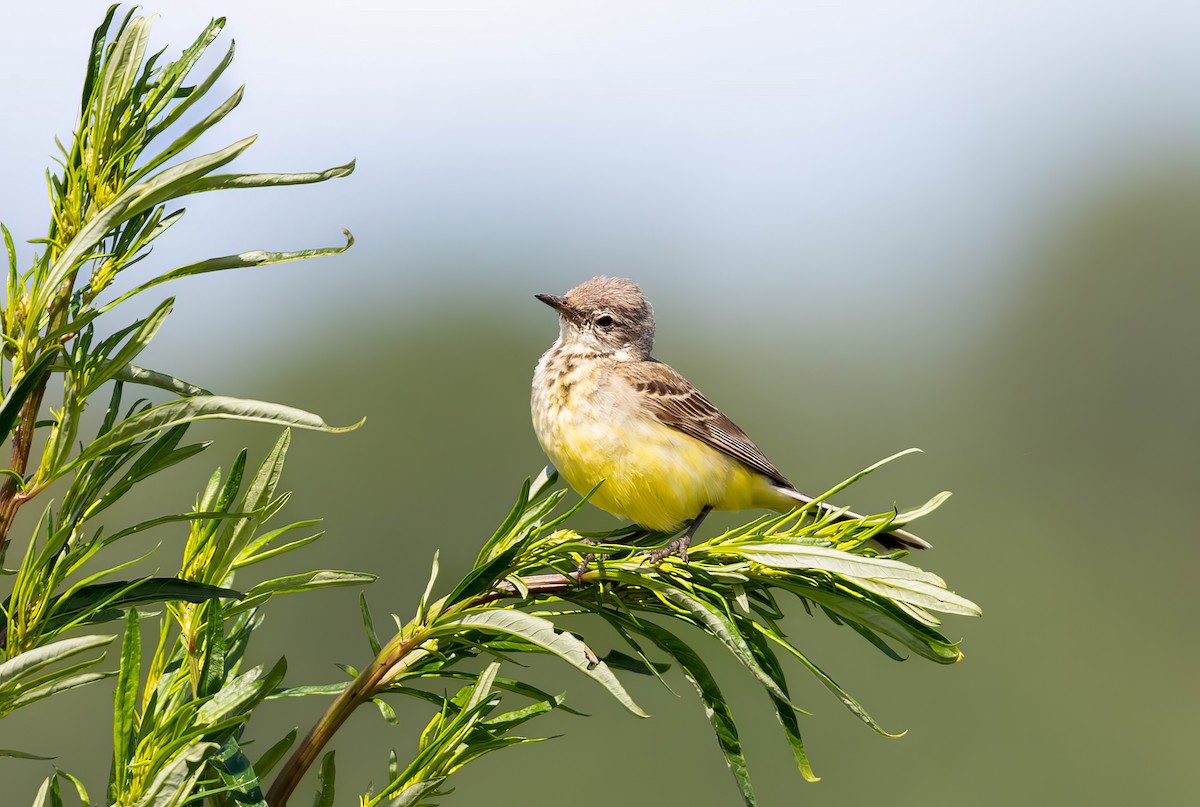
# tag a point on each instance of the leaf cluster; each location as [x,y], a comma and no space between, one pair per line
[535,573]
[115,192]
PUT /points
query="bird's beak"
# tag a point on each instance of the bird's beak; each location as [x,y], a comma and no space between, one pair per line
[559,304]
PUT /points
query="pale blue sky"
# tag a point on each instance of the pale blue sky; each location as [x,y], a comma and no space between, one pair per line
[889,156]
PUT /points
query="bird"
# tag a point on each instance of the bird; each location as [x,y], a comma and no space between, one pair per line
[619,423]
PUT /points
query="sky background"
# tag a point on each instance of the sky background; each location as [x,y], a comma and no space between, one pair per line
[968,227]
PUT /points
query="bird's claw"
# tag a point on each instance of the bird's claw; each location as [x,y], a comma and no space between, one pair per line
[677,547]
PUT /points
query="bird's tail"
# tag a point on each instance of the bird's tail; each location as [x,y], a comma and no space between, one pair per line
[893,539]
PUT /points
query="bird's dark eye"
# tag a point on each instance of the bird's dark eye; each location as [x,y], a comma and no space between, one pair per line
[605,321]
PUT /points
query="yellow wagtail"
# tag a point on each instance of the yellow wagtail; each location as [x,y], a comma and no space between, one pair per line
[605,410]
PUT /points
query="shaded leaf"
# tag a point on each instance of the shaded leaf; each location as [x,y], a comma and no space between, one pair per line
[542,633]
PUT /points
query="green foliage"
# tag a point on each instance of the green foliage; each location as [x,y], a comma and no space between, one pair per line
[183,701]
[184,697]
[535,573]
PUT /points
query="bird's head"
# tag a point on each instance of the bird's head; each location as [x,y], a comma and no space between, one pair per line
[605,315]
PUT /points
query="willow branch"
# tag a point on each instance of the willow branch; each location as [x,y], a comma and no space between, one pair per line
[371,680]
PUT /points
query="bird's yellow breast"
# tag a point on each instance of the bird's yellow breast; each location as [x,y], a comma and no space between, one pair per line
[593,428]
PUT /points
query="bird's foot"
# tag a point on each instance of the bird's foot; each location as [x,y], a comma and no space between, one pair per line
[588,559]
[680,545]
[677,547]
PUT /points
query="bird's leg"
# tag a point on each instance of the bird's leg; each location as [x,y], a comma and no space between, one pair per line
[680,545]
[587,559]
[590,557]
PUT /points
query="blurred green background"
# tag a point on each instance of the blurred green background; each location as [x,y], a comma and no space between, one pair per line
[972,231]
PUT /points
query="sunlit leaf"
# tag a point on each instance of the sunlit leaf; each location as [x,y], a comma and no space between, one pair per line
[543,633]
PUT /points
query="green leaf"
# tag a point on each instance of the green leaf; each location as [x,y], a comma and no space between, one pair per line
[10,408]
[125,700]
[506,684]
[307,581]
[173,784]
[140,375]
[274,755]
[61,685]
[783,709]
[205,407]
[10,752]
[75,606]
[842,695]
[325,782]
[542,633]
[212,673]
[716,623]
[211,119]
[887,621]
[147,329]
[224,181]
[143,196]
[310,689]
[715,706]
[240,778]
[412,795]
[368,623]
[782,555]
[240,695]
[623,661]
[23,665]
[242,260]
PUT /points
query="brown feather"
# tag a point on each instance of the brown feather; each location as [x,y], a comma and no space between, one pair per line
[674,401]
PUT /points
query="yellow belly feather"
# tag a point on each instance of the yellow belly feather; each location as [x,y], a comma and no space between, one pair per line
[593,429]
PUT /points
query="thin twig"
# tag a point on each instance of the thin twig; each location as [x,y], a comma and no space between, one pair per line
[372,679]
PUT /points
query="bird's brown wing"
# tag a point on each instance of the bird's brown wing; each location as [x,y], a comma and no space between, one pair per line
[674,401]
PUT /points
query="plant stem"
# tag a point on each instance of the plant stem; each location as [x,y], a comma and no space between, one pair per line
[360,690]
[10,495]
[370,680]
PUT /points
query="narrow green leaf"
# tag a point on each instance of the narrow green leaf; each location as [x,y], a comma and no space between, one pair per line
[385,709]
[238,775]
[39,693]
[842,695]
[922,511]
[414,793]
[715,706]
[95,58]
[147,329]
[241,694]
[125,699]
[274,755]
[212,673]
[369,624]
[140,375]
[326,578]
[211,119]
[15,754]
[224,181]
[542,633]
[623,661]
[10,408]
[784,711]
[325,782]
[25,664]
[240,261]
[310,689]
[143,196]
[173,784]
[717,624]
[205,407]
[75,606]
[881,619]
[422,604]
[802,556]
